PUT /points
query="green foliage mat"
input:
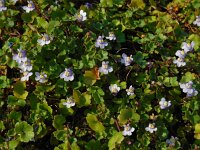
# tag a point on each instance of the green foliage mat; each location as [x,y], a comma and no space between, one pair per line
[102,74]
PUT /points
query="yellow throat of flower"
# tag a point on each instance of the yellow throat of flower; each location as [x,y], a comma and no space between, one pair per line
[151,126]
[30,5]
[105,66]
[182,52]
[165,103]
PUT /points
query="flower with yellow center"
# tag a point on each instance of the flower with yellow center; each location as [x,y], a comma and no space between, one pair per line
[41,77]
[2,6]
[126,60]
[114,89]
[128,130]
[151,128]
[130,90]
[29,7]
[164,104]
[67,75]
[105,68]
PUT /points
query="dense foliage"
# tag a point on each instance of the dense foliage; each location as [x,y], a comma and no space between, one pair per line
[108,74]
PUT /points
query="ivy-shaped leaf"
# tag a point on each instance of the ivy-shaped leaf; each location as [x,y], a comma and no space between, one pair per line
[117,138]
[94,124]
[24,131]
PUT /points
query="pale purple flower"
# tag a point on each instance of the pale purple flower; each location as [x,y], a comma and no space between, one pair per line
[114,89]
[105,69]
[67,75]
[2,5]
[20,57]
[111,36]
[126,60]
[100,42]
[164,104]
[187,88]
[81,16]
[188,47]
[29,7]
[41,77]
[128,130]
[26,76]
[130,90]
[88,5]
[179,62]
[26,65]
[197,21]
[44,40]
[151,128]
[172,141]
[70,102]
[180,54]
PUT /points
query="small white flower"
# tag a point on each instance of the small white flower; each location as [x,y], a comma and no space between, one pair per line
[29,7]
[111,36]
[81,16]
[188,89]
[100,42]
[20,56]
[26,65]
[126,60]
[181,54]
[105,69]
[164,104]
[70,102]
[172,141]
[42,78]
[197,21]
[44,40]
[67,75]
[151,128]
[26,76]
[179,62]
[114,89]
[188,47]
[130,90]
[128,130]
[2,5]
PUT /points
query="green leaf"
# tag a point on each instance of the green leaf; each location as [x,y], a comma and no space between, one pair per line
[75,28]
[12,100]
[42,22]
[60,135]
[106,3]
[15,115]
[196,39]
[2,127]
[89,78]
[13,144]
[187,77]
[74,146]
[92,144]
[139,59]
[94,124]
[83,99]
[29,17]
[52,25]
[117,138]
[4,82]
[128,114]
[197,131]
[19,90]
[58,122]
[24,131]
[137,4]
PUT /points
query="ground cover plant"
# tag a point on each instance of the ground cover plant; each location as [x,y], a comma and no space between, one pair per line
[99,74]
